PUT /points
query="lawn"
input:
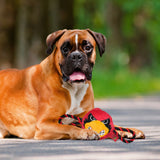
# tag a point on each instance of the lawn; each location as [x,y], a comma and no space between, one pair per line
[123,83]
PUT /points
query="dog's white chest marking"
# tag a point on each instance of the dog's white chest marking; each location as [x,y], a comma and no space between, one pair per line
[77,93]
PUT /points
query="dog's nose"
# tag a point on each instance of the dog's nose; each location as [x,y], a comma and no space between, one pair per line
[77,56]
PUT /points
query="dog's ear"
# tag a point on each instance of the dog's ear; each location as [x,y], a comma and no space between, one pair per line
[100,41]
[52,38]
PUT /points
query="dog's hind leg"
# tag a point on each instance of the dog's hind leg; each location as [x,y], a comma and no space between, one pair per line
[139,133]
[3,132]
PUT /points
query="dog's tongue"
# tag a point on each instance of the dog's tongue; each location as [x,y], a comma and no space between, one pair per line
[77,76]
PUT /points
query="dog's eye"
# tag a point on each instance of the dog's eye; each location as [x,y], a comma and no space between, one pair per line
[66,47]
[87,47]
[65,50]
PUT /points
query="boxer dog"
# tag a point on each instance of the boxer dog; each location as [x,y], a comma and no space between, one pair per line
[33,99]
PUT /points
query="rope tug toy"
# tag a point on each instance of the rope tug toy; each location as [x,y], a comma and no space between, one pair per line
[101,122]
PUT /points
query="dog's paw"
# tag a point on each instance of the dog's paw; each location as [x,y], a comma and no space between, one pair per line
[139,134]
[88,134]
[124,134]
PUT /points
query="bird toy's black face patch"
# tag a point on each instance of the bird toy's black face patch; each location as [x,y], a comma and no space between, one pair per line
[89,118]
[102,127]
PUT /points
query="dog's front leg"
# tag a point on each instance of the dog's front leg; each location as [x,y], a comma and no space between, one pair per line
[47,126]
[52,130]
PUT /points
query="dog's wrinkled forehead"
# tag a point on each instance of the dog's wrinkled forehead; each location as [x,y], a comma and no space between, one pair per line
[75,37]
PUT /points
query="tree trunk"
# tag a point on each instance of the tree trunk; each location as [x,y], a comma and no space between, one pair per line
[21,36]
[66,14]
[7,16]
[140,55]
[31,23]
[53,15]
[114,21]
[36,29]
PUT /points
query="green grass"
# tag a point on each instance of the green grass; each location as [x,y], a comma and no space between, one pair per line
[123,83]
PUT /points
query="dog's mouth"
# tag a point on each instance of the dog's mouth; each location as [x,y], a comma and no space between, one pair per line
[77,76]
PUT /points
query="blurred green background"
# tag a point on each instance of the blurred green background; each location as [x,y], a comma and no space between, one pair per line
[131,64]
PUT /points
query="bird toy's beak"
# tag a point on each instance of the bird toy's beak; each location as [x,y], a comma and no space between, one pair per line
[98,127]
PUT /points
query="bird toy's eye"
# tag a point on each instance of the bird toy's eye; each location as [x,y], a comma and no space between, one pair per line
[106,121]
[102,133]
[91,117]
[89,127]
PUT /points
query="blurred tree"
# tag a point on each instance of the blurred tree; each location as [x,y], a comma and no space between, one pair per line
[137,41]
[128,32]
[131,27]
[114,17]
[24,26]
[53,18]
[90,14]
[34,22]
[29,31]
[66,15]
[21,35]
[7,22]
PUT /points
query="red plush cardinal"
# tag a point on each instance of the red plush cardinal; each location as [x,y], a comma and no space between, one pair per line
[100,122]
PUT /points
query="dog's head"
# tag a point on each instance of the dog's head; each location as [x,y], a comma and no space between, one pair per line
[75,52]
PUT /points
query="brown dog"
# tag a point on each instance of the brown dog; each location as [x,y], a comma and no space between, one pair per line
[33,99]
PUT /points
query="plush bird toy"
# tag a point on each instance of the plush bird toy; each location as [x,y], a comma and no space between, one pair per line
[100,122]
